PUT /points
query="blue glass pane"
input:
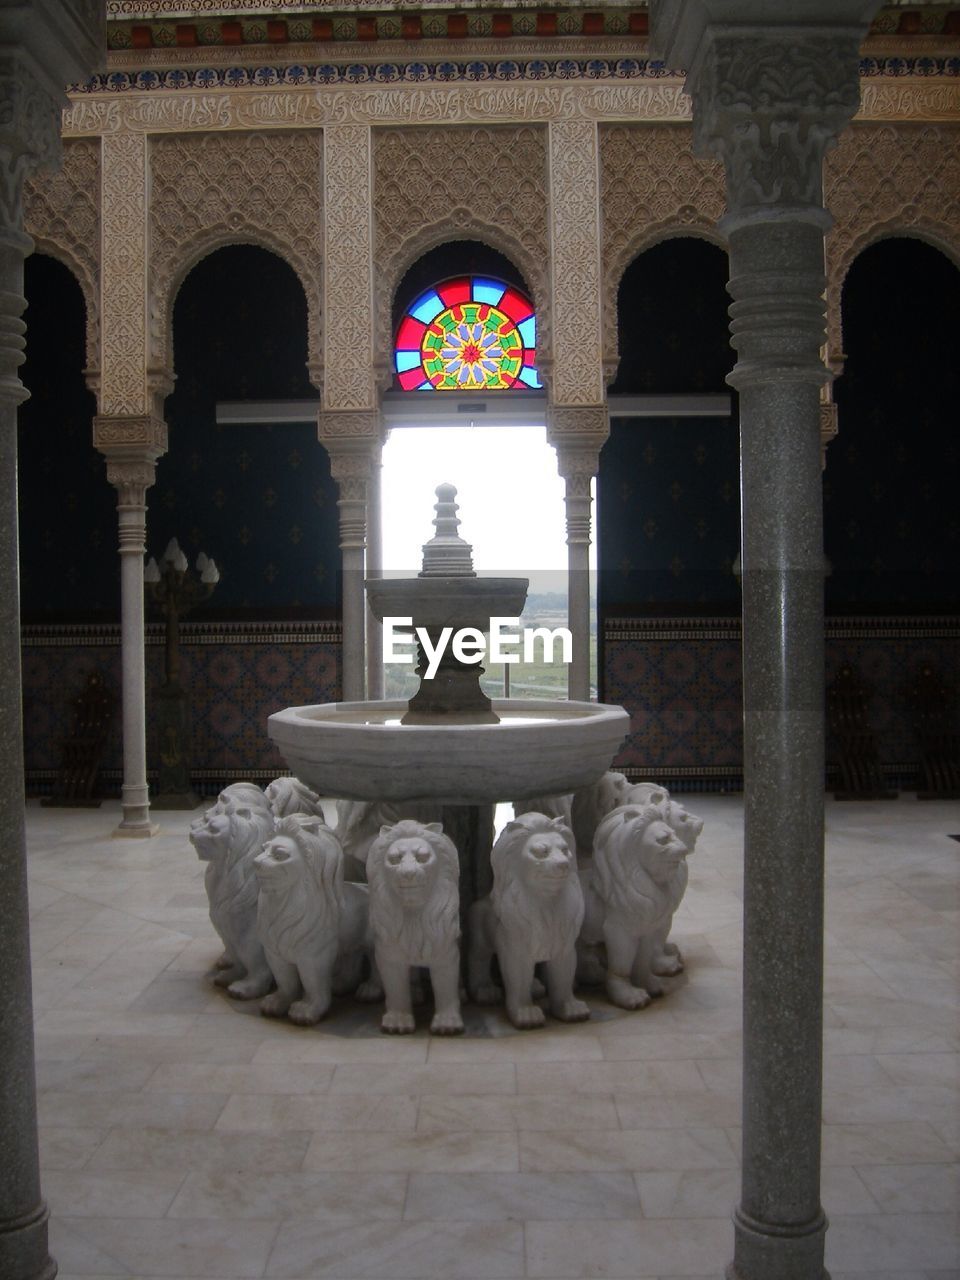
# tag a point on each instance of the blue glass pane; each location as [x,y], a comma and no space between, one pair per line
[528,331]
[529,377]
[407,360]
[425,386]
[487,291]
[427,307]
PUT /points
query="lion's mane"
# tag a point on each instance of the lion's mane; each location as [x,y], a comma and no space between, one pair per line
[428,932]
[287,796]
[542,922]
[230,879]
[621,878]
[304,911]
[591,804]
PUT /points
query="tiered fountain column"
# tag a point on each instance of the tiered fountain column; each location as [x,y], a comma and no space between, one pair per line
[770,96]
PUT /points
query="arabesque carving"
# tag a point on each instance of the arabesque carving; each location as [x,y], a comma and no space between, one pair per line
[124,356]
[575,307]
[884,180]
[652,186]
[433,185]
[217,189]
[61,211]
[348,286]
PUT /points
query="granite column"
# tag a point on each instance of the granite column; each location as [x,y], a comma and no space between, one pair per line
[770,96]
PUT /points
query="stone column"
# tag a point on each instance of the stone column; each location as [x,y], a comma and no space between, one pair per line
[129,430]
[577,422]
[374,569]
[131,447]
[44,45]
[769,97]
[349,425]
[578,451]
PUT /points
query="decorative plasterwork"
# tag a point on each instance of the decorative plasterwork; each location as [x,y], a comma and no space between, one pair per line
[348,285]
[432,185]
[217,189]
[881,181]
[61,211]
[652,187]
[29,133]
[124,355]
[576,368]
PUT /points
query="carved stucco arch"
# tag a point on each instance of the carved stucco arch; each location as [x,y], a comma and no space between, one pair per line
[940,236]
[690,226]
[163,294]
[459,224]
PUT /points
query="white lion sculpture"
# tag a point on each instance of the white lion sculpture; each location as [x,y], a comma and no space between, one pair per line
[590,805]
[631,892]
[228,840]
[533,914]
[359,822]
[413,870]
[668,960]
[287,796]
[314,927]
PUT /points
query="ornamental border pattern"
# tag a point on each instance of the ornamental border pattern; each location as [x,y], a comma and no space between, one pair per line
[107,634]
[836,627]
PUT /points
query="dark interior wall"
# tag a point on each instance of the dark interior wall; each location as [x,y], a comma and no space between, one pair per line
[68,511]
[891,522]
[258,499]
[668,490]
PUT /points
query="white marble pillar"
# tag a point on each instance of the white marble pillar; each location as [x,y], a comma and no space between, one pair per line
[374,569]
[578,434]
[44,46]
[577,422]
[349,421]
[769,98]
[129,430]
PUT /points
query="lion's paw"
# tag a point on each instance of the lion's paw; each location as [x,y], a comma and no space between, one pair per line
[525,1016]
[671,949]
[625,995]
[275,1005]
[446,1022]
[667,966]
[224,961]
[369,992]
[488,994]
[398,1024]
[223,977]
[571,1010]
[249,988]
[306,1012]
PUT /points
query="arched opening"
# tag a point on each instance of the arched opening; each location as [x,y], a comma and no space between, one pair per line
[669,518]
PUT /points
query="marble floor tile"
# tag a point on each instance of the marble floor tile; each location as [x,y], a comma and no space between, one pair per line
[414,1250]
[446,1152]
[627,1249]
[224,1248]
[84,1194]
[247,1078]
[650,1076]
[356,1197]
[130,1110]
[521,1196]
[515,1112]
[889,1240]
[428,1080]
[864,1144]
[286,1112]
[914,1188]
[636,1149]
[148,1149]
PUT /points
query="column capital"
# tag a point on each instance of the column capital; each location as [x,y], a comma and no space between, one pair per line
[346,430]
[131,446]
[769,96]
[578,432]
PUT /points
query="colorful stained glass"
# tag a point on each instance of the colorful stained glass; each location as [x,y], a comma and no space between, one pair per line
[468,334]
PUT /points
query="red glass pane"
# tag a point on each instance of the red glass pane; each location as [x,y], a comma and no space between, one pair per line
[514,305]
[455,291]
[410,334]
[412,379]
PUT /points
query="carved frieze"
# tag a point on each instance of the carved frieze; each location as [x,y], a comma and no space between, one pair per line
[216,189]
[432,185]
[124,436]
[29,133]
[348,283]
[61,211]
[652,186]
[575,306]
[888,180]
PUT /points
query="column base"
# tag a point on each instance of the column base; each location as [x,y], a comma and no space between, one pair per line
[23,1247]
[136,830]
[772,1251]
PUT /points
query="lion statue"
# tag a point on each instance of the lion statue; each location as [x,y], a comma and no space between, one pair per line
[550,807]
[314,927]
[631,892]
[228,840]
[359,822]
[591,804]
[667,960]
[414,872]
[533,915]
[287,796]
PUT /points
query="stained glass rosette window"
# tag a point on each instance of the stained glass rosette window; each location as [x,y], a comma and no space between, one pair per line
[468,334]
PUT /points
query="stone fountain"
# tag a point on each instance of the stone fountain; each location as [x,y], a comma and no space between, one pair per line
[450,744]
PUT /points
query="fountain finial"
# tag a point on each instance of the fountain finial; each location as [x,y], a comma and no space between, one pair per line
[447,555]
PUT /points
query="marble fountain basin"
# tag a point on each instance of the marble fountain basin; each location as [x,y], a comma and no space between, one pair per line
[361,751]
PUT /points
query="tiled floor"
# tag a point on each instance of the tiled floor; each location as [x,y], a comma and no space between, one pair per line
[184,1135]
